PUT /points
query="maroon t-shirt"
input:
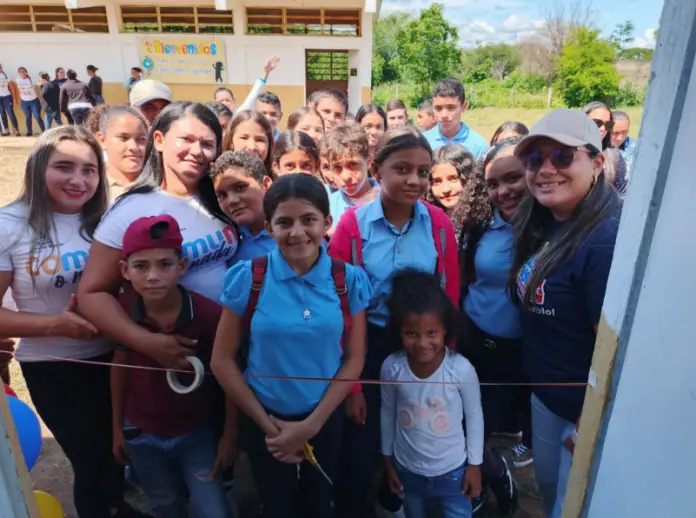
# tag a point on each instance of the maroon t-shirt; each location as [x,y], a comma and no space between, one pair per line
[151,404]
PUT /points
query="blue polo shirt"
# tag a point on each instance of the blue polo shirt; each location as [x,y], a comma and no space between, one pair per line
[558,333]
[282,341]
[253,245]
[466,137]
[488,302]
[386,250]
[339,203]
[276,134]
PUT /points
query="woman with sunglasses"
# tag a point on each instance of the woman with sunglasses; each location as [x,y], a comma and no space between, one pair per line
[614,163]
[564,235]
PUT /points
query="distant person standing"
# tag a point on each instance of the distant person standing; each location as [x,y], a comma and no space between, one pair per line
[50,100]
[29,101]
[7,105]
[136,74]
[75,98]
[59,81]
[448,105]
[95,84]
[620,139]
[150,97]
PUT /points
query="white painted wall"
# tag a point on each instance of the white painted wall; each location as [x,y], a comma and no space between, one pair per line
[644,468]
[115,53]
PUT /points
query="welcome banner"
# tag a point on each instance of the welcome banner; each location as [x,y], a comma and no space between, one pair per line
[183,60]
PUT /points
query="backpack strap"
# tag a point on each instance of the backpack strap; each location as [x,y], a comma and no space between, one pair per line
[259,265]
[440,239]
[338,272]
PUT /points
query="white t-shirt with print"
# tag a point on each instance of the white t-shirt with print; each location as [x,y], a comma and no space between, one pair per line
[4,85]
[44,280]
[208,242]
[26,89]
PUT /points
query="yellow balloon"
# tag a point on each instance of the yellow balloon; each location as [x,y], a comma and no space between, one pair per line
[49,506]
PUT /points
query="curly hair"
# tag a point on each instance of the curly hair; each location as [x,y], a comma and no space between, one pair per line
[94,117]
[474,205]
[247,161]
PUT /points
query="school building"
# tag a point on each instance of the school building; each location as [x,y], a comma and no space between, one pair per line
[197,47]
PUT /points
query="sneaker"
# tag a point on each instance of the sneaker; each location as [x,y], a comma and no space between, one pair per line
[29,135]
[509,434]
[505,490]
[381,512]
[521,455]
[6,134]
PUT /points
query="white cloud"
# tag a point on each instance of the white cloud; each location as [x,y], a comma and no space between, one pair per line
[647,40]
[517,23]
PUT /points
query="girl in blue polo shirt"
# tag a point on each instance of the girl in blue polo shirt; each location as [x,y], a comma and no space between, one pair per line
[565,232]
[395,231]
[296,330]
[240,181]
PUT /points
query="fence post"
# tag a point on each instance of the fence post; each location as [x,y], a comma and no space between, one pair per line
[471,95]
[397,90]
[512,96]
[548,99]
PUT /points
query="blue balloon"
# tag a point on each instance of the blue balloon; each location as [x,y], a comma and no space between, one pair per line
[28,430]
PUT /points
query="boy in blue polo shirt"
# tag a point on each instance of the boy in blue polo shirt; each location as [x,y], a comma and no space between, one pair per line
[169,437]
[448,105]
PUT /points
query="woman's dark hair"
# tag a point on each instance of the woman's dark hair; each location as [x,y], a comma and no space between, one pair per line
[399,139]
[367,109]
[152,176]
[137,69]
[219,109]
[532,224]
[246,161]
[417,292]
[258,118]
[395,104]
[474,205]
[71,74]
[597,105]
[290,141]
[496,149]
[515,126]
[303,187]
[223,89]
[59,69]
[296,116]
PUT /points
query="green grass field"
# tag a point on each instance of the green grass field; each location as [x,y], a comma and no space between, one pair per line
[486,120]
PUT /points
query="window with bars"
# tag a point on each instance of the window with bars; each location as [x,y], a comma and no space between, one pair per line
[326,65]
[202,20]
[52,18]
[306,22]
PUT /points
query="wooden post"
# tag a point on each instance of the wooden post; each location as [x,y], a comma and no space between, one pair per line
[548,98]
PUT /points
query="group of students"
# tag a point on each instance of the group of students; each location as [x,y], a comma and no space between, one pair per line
[64,94]
[345,286]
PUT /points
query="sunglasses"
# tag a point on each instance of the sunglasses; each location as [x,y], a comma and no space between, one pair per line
[607,124]
[561,158]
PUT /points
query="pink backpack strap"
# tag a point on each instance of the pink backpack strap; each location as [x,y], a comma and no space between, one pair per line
[346,243]
[447,252]
[440,239]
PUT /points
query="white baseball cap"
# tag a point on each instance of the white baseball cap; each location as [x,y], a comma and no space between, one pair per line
[148,90]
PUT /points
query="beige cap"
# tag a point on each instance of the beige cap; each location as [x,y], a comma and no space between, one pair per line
[570,127]
[148,90]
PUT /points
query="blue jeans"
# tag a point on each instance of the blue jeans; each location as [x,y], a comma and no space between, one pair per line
[444,490]
[53,116]
[169,466]
[551,458]
[79,115]
[98,99]
[7,110]
[32,108]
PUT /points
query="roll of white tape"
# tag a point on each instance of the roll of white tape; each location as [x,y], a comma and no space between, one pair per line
[198,372]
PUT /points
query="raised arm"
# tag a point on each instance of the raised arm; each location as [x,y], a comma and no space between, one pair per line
[269,66]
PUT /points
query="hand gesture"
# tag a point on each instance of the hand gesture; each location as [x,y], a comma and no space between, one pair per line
[356,408]
[270,65]
[171,351]
[71,325]
[471,485]
[226,455]
[291,438]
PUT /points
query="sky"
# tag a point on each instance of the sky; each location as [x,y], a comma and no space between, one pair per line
[509,21]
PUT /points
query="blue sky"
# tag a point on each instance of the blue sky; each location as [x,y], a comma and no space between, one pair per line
[494,21]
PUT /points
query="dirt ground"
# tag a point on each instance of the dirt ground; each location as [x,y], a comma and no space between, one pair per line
[52,472]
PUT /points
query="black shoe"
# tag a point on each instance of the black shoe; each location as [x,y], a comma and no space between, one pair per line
[29,135]
[505,490]
[6,134]
[17,133]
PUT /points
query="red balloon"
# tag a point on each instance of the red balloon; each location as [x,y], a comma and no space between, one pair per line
[9,391]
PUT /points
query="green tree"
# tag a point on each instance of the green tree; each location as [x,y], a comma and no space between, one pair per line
[637,54]
[428,49]
[623,34]
[384,49]
[489,61]
[585,71]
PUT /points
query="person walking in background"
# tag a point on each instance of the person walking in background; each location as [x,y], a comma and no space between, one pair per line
[60,80]
[75,98]
[448,105]
[49,100]
[95,84]
[620,139]
[7,105]
[29,100]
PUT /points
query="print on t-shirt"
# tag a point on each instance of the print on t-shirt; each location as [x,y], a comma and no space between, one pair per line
[540,294]
[433,417]
[212,247]
[63,268]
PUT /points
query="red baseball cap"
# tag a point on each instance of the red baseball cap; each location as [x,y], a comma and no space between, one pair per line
[152,232]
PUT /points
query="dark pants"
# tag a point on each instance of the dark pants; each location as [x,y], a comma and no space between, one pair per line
[361,443]
[74,401]
[283,493]
[7,110]
[79,115]
[32,108]
[52,117]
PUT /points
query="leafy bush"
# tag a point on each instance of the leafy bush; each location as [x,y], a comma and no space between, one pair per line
[630,95]
[528,82]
